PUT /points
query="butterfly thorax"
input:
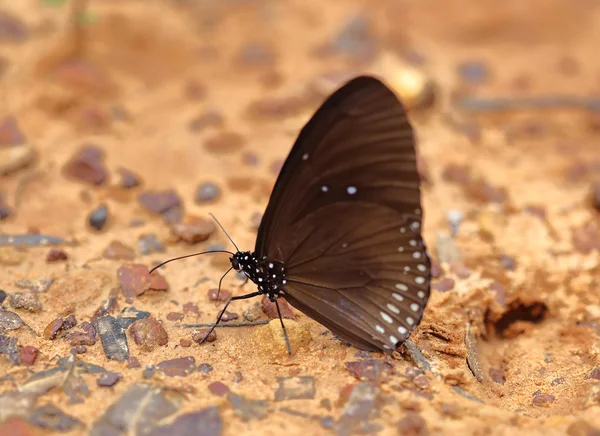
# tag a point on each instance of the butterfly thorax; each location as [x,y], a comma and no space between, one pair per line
[268,275]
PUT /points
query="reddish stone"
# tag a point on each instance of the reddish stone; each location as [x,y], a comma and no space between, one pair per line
[16,426]
[55,255]
[160,202]
[193,229]
[444,285]
[174,316]
[28,355]
[117,250]
[270,309]
[224,143]
[376,371]
[148,333]
[215,295]
[185,343]
[457,174]
[134,280]
[52,329]
[218,388]
[179,367]
[87,166]
[198,335]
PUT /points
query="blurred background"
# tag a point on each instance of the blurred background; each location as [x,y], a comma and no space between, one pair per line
[186,91]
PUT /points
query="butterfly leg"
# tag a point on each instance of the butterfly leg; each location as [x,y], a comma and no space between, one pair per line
[221,280]
[285,336]
[239,297]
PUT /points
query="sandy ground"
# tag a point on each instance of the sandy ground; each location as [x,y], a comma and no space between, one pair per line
[186,92]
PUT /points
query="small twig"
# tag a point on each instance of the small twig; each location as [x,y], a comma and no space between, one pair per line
[228,324]
[466,394]
[416,356]
[472,360]
[482,104]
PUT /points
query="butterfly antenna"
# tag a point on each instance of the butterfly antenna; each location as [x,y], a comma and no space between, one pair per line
[189,255]
[221,281]
[222,228]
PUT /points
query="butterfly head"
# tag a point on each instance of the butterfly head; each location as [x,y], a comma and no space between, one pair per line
[242,261]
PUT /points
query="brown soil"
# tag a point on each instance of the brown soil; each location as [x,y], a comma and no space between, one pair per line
[172,92]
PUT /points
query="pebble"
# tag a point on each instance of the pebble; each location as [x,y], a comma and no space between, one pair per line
[85,336]
[198,335]
[134,280]
[481,191]
[229,316]
[421,381]
[207,119]
[59,325]
[25,300]
[253,313]
[56,255]
[179,367]
[412,424]
[160,202]
[461,271]
[108,379]
[355,38]
[98,217]
[8,347]
[455,173]
[114,340]
[117,250]
[38,285]
[207,192]
[376,371]
[52,418]
[444,285]
[28,355]
[10,320]
[474,72]
[148,244]
[275,108]
[507,262]
[129,315]
[16,157]
[80,349]
[218,388]
[191,307]
[149,372]
[253,54]
[586,239]
[3,296]
[12,28]
[498,375]
[295,388]
[205,368]
[148,333]
[185,343]
[269,308]
[87,166]
[543,400]
[128,180]
[248,409]
[193,229]
[205,422]
[215,295]
[138,410]
[5,211]
[594,374]
[174,316]
[133,362]
[224,143]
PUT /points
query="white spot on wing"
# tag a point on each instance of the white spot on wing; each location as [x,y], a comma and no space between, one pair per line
[379,329]
[398,296]
[324,188]
[351,190]
[410,321]
[419,280]
[393,308]
[305,156]
[421,268]
[414,307]
[393,340]
[401,286]
[421,294]
[386,317]
[402,330]
[417,255]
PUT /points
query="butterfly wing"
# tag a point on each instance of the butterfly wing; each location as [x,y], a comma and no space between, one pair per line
[345,216]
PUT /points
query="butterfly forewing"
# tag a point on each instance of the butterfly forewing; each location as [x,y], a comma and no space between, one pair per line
[345,216]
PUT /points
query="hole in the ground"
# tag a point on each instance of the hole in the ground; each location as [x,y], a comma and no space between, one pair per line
[518,313]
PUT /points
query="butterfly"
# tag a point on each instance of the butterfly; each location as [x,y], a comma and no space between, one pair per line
[340,239]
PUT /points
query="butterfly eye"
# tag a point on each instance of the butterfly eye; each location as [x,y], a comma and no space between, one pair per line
[235,263]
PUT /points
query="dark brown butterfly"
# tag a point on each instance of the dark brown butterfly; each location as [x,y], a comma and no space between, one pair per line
[341,236]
